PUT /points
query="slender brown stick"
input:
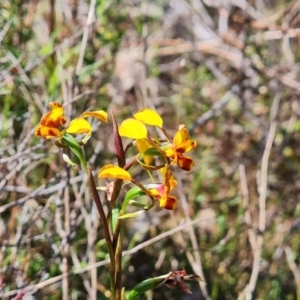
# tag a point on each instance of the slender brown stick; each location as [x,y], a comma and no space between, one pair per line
[85,36]
[66,248]
[245,194]
[293,267]
[195,258]
[262,199]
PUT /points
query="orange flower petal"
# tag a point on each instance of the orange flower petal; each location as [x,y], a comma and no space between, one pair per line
[98,114]
[47,132]
[169,181]
[161,192]
[186,146]
[185,162]
[149,117]
[78,126]
[112,171]
[133,129]
[55,105]
[55,117]
[169,202]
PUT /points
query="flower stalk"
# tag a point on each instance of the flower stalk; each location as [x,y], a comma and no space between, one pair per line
[106,233]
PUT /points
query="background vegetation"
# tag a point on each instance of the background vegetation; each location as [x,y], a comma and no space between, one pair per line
[227,69]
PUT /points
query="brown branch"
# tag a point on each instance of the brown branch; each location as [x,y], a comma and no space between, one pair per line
[195,257]
[293,267]
[262,200]
[245,193]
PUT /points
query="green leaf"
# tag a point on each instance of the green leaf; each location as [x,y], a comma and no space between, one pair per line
[131,194]
[141,205]
[87,71]
[132,215]
[114,219]
[146,285]
[152,152]
[67,159]
[75,148]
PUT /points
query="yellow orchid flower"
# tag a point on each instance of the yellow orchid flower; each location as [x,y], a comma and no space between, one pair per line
[51,123]
[55,117]
[181,144]
[135,128]
[162,191]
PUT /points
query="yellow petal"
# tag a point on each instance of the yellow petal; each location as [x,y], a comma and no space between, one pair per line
[171,154]
[154,193]
[133,129]
[112,171]
[98,114]
[182,135]
[79,125]
[142,145]
[149,117]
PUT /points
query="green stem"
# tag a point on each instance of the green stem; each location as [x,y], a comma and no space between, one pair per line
[115,195]
[116,242]
[166,135]
[141,186]
[116,234]
[105,226]
[118,258]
